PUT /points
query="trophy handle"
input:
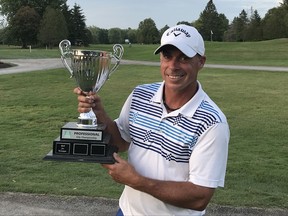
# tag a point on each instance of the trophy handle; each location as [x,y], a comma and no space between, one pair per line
[117,55]
[65,49]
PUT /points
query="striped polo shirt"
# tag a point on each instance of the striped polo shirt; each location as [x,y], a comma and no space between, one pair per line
[188,144]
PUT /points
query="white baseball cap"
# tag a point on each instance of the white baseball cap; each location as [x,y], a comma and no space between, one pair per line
[186,38]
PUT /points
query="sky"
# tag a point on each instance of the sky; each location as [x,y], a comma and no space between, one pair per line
[129,13]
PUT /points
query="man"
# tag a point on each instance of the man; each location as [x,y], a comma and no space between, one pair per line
[176,136]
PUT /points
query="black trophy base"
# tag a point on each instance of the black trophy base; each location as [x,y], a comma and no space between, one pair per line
[82,145]
[109,159]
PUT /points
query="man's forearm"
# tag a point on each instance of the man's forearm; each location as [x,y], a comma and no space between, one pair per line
[180,194]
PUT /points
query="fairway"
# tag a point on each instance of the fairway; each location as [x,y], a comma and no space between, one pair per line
[262,53]
[34,106]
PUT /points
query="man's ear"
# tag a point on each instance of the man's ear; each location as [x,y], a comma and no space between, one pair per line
[202,61]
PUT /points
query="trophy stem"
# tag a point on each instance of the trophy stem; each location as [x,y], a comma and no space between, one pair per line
[87,120]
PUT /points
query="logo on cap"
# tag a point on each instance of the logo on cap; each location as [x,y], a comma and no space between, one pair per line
[180,30]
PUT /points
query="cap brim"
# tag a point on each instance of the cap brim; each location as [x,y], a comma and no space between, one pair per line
[184,48]
[158,50]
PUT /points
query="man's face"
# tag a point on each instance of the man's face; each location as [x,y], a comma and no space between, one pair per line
[179,71]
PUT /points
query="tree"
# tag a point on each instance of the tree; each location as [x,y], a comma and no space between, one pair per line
[99,36]
[67,13]
[254,28]
[25,26]
[241,24]
[114,35]
[275,23]
[210,23]
[79,32]
[230,34]
[148,32]
[162,30]
[10,8]
[131,34]
[94,32]
[53,27]
[284,3]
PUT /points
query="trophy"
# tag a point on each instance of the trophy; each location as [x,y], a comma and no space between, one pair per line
[86,140]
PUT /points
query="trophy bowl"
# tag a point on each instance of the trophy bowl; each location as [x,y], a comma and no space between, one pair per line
[91,69]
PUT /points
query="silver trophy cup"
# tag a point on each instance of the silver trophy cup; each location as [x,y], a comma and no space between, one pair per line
[91,69]
[85,140]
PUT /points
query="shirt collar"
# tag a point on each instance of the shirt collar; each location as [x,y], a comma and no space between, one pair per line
[189,108]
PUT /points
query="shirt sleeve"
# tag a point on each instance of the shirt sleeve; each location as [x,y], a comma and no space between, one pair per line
[208,160]
[123,120]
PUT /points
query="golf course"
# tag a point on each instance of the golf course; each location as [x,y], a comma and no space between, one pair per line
[35,105]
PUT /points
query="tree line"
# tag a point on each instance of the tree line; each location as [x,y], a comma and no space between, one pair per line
[46,23]
[42,23]
[251,27]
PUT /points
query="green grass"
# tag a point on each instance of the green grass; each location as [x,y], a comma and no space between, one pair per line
[269,53]
[255,105]
[15,52]
[34,106]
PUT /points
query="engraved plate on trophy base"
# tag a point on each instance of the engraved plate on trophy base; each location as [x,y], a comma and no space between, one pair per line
[71,131]
[98,150]
[80,149]
[62,148]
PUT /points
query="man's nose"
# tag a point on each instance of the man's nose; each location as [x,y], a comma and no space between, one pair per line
[174,63]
